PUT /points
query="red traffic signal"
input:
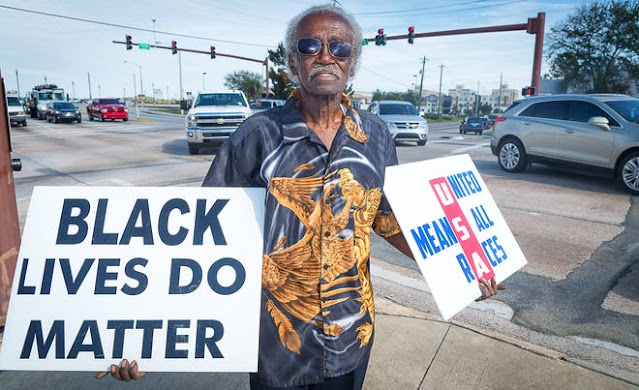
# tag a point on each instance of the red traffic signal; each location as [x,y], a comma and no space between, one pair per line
[212,52]
[174,49]
[380,38]
[528,91]
[129,45]
[411,34]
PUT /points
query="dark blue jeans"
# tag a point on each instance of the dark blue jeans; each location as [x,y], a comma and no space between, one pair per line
[353,380]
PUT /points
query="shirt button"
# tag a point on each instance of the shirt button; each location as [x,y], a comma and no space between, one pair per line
[327,234]
[325,266]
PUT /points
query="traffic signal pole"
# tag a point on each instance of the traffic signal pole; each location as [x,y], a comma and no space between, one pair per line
[534,26]
[10,226]
[179,49]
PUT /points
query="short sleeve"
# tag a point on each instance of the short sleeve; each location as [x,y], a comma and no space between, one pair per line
[385,224]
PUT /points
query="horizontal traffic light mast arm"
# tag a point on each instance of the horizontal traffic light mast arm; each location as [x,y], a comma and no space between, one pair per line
[476,30]
[207,52]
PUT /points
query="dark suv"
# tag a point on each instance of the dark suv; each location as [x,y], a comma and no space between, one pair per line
[592,132]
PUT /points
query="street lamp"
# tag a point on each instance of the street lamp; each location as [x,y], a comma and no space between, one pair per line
[203,85]
[141,83]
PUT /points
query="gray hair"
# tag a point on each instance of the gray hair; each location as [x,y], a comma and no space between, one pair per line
[290,43]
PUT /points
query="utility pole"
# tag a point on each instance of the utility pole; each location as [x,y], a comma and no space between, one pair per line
[501,78]
[477,100]
[18,82]
[73,87]
[89,78]
[135,99]
[181,91]
[440,103]
[421,85]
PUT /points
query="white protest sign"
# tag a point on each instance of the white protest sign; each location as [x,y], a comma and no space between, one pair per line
[453,226]
[169,277]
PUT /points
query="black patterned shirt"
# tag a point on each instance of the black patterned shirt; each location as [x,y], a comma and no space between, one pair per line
[317,310]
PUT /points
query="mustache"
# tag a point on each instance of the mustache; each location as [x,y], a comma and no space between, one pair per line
[330,69]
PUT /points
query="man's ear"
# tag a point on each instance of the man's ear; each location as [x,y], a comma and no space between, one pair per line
[291,65]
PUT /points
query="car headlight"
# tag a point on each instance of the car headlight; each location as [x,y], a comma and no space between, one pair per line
[77,112]
[57,112]
[22,113]
[191,121]
[126,110]
[104,110]
[391,125]
[42,107]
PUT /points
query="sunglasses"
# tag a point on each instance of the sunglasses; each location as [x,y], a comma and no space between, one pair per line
[312,46]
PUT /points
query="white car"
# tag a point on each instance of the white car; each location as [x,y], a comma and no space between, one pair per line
[402,119]
[213,117]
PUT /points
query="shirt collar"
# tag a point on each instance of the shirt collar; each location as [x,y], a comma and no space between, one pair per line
[294,127]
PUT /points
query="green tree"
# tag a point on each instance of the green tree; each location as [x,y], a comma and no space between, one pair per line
[597,48]
[248,82]
[408,96]
[281,85]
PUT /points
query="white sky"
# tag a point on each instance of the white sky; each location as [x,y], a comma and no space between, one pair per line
[64,50]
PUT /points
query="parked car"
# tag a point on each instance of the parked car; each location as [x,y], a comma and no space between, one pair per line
[63,112]
[107,108]
[475,124]
[259,105]
[591,132]
[402,119]
[15,109]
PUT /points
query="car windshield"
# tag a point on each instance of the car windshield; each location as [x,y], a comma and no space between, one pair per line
[220,99]
[111,101]
[13,101]
[51,96]
[397,109]
[63,105]
[628,109]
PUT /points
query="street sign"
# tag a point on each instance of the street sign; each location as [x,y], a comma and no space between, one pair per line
[141,95]
[144,46]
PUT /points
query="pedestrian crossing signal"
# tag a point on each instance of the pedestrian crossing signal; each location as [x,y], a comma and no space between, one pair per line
[528,91]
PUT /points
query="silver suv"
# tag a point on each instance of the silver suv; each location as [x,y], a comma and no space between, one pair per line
[595,132]
[402,119]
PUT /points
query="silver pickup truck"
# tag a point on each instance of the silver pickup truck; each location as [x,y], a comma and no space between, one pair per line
[213,117]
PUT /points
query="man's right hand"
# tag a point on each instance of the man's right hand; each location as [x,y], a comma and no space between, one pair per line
[125,372]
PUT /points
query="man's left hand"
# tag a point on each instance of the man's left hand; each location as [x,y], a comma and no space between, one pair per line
[489,288]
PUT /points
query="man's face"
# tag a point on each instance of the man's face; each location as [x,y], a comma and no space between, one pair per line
[322,73]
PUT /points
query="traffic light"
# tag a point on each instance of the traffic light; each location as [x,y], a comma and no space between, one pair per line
[129,46]
[528,91]
[411,34]
[212,52]
[380,38]
[174,47]
[364,42]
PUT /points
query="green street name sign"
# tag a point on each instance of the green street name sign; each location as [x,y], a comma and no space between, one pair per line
[144,46]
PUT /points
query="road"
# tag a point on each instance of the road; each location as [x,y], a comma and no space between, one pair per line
[578,295]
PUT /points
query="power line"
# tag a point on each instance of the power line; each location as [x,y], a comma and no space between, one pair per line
[419,9]
[130,27]
[461,10]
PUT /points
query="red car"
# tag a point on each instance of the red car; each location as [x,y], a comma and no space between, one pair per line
[107,108]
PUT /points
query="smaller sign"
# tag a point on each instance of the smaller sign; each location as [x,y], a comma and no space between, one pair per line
[455,231]
[144,46]
[141,95]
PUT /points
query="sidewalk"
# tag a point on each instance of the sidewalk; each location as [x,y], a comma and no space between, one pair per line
[409,353]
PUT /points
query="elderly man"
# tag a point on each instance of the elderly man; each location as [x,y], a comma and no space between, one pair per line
[323,164]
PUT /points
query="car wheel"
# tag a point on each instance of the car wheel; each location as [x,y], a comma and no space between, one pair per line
[193,150]
[79,120]
[125,119]
[480,132]
[48,119]
[421,143]
[512,156]
[90,117]
[101,118]
[629,172]
[460,130]
[24,123]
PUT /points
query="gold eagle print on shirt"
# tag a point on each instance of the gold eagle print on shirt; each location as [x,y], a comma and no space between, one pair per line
[291,274]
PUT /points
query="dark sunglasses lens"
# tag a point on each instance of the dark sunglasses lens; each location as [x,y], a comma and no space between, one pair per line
[309,46]
[340,49]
